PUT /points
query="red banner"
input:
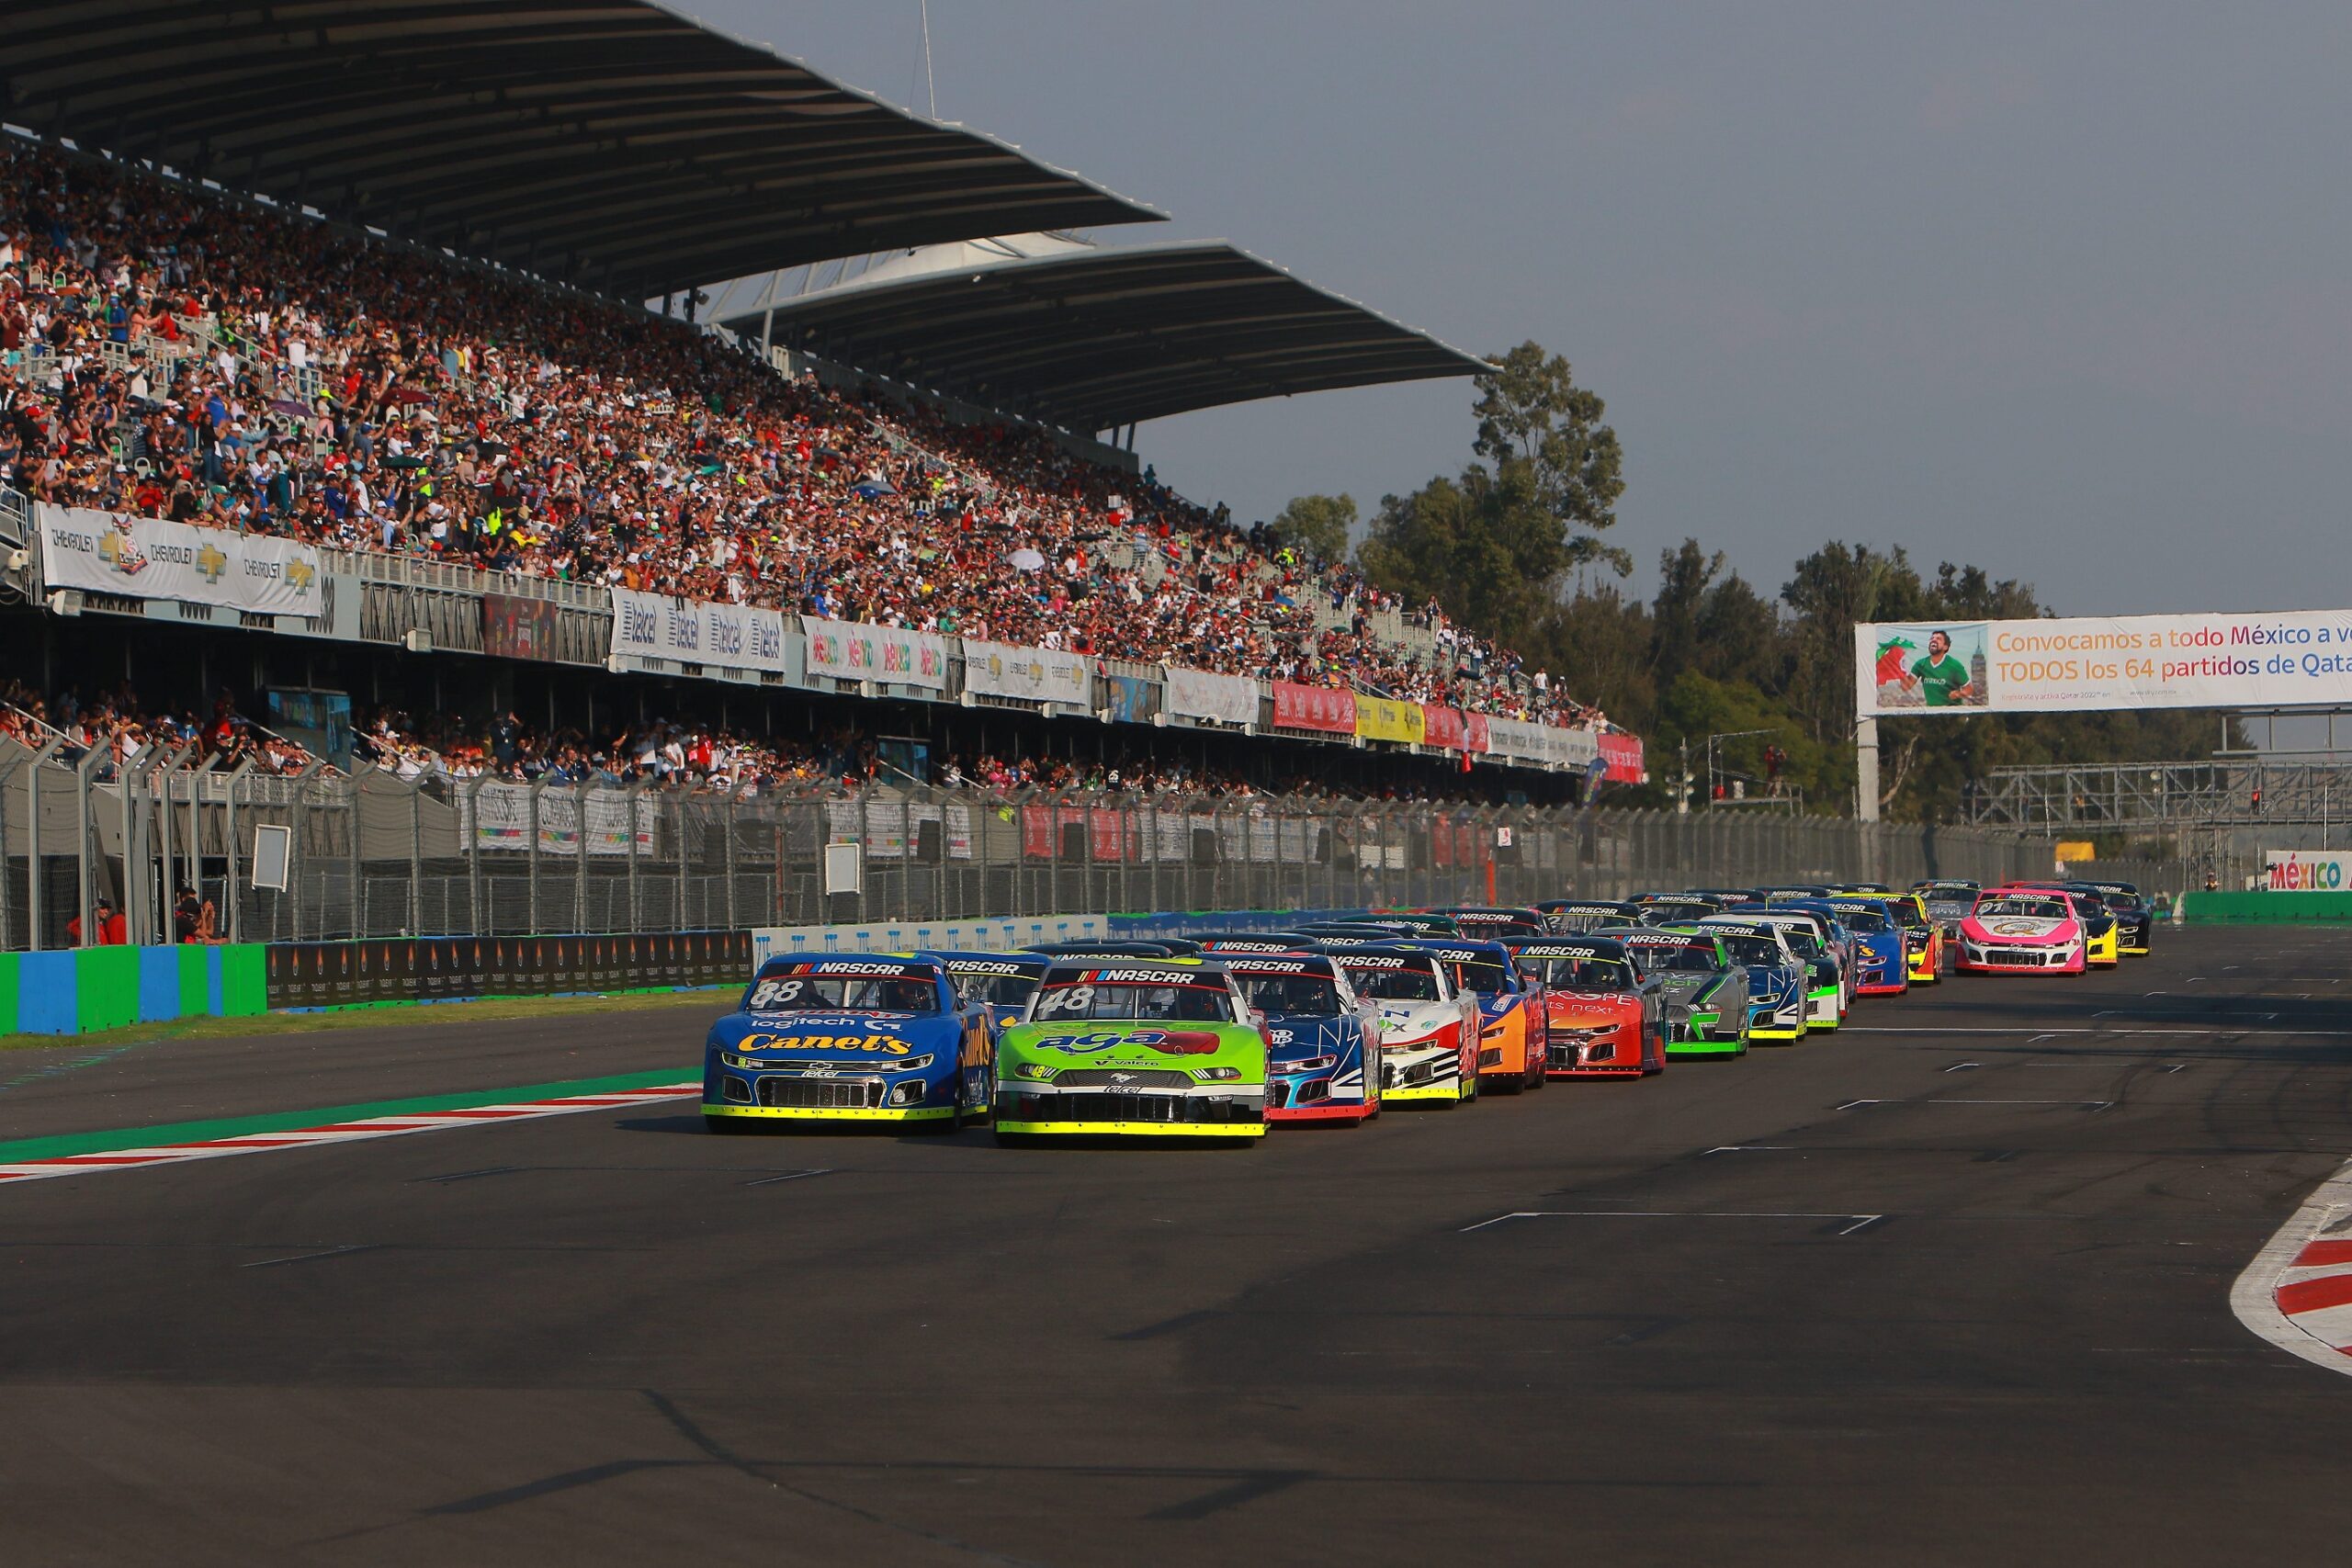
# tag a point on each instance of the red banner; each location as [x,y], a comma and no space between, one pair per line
[1624,755]
[1045,832]
[1441,727]
[1475,730]
[1331,710]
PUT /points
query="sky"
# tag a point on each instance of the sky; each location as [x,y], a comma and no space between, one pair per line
[2061,292]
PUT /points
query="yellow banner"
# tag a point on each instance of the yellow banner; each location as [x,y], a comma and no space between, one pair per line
[1386,719]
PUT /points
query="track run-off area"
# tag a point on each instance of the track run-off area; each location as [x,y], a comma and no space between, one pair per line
[1952,1286]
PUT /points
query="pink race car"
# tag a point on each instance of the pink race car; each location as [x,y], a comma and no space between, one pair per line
[2014,932]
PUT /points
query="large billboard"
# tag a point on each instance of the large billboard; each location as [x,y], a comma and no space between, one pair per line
[2300,659]
[149,557]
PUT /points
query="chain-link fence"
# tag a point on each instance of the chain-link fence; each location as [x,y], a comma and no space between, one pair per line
[377,855]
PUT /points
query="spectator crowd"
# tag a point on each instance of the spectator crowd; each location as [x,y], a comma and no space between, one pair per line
[118,724]
[166,353]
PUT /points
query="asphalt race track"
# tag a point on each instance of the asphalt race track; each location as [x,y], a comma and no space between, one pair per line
[1952,1287]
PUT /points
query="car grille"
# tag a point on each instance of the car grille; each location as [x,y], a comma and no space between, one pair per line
[1122,1077]
[2014,957]
[820,1094]
[1134,1108]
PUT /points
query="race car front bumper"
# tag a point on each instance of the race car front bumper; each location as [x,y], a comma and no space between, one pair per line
[799,1097]
[2017,958]
[1228,1111]
[1593,1051]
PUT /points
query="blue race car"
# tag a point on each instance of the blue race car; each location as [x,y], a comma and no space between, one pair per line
[1322,1039]
[1001,983]
[849,1037]
[1885,956]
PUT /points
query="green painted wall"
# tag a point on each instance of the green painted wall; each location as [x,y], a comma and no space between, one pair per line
[2266,908]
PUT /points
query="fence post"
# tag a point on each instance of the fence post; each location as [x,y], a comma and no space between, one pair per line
[298,857]
[531,842]
[358,785]
[734,797]
[416,856]
[230,789]
[470,825]
[630,799]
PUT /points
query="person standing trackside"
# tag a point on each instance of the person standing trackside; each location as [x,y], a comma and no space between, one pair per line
[1942,680]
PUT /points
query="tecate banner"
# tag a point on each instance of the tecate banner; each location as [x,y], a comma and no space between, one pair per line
[2305,871]
[146,557]
[733,636]
[2298,659]
[1196,693]
[1032,674]
[852,650]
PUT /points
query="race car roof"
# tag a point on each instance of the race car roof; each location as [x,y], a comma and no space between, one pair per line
[619,146]
[1413,956]
[850,965]
[1278,963]
[996,963]
[1093,338]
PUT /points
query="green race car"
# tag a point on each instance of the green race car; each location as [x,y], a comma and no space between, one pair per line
[1154,1047]
[1706,993]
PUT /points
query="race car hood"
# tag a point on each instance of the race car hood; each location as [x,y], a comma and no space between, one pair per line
[877,1037]
[1404,1022]
[1296,1037]
[1121,1043]
[2015,928]
[1688,986]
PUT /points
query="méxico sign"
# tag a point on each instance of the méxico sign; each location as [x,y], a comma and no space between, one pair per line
[2298,658]
[147,557]
[895,656]
[2305,871]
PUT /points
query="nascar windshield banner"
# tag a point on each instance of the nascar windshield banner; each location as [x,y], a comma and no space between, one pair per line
[1330,709]
[734,636]
[1196,693]
[896,656]
[1032,674]
[2298,658]
[147,557]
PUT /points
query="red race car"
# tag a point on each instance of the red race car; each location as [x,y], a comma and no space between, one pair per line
[1602,1021]
[2019,931]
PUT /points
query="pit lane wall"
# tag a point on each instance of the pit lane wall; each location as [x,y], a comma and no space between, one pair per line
[107,987]
[2265,909]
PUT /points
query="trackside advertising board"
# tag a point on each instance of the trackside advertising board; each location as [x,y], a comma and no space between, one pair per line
[2298,658]
[2306,871]
[147,557]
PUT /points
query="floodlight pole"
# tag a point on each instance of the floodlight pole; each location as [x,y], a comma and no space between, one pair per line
[1866,769]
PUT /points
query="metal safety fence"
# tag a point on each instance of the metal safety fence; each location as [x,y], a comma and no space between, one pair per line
[325,856]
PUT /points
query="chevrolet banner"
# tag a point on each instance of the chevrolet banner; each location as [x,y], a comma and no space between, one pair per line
[1032,674]
[146,557]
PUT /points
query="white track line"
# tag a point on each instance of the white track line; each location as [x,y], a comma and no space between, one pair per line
[2320,1335]
[1860,1222]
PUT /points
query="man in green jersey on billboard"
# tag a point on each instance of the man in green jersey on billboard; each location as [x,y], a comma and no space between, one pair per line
[1942,680]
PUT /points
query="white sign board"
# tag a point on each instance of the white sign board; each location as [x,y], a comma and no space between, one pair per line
[693,631]
[2306,871]
[852,650]
[1196,693]
[1032,674]
[2302,658]
[147,557]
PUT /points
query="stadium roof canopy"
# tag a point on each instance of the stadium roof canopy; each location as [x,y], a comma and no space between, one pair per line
[612,143]
[1092,338]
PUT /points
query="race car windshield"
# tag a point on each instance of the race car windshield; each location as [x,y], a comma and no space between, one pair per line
[1576,921]
[998,991]
[1802,941]
[1752,950]
[2126,901]
[1301,995]
[844,993]
[1907,916]
[1158,1003]
[1692,960]
[1393,985]
[1581,973]
[1869,920]
[2025,908]
[1477,975]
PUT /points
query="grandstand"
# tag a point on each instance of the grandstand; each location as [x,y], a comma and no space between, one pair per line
[313,420]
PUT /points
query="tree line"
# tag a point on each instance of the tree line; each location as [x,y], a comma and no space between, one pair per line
[1515,547]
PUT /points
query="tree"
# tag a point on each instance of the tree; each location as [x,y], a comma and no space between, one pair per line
[1531,411]
[1318,525]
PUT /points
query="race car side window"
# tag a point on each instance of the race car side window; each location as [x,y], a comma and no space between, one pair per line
[1163,1003]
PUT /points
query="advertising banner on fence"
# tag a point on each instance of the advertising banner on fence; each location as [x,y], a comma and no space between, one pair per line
[146,557]
[1196,693]
[1386,719]
[514,627]
[2297,659]
[895,656]
[1441,727]
[1032,674]
[1131,698]
[2305,871]
[1516,739]
[1624,754]
[734,636]
[1331,710]
[498,817]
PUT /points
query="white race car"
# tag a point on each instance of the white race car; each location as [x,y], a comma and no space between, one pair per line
[1429,1030]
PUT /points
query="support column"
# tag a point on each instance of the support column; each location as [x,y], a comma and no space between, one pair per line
[1866,770]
